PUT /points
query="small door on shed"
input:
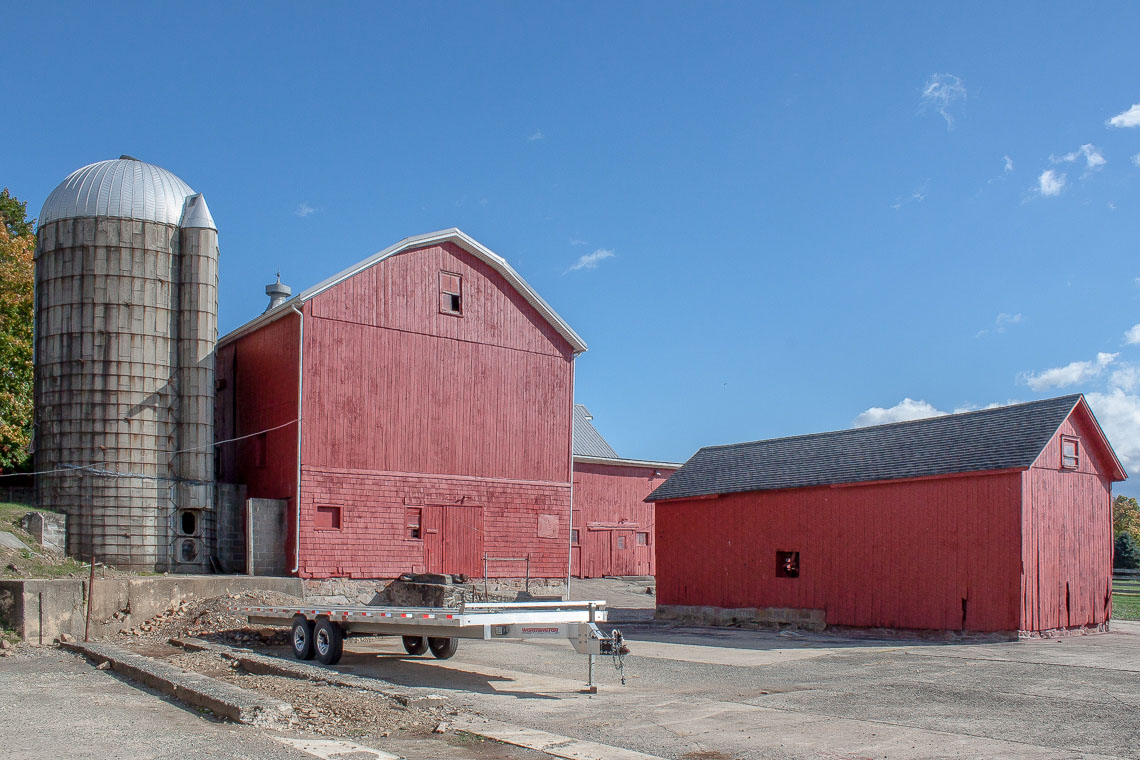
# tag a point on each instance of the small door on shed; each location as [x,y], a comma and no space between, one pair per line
[623,557]
[453,539]
[596,558]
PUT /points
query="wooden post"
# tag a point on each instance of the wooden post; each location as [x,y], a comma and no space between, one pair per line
[90,595]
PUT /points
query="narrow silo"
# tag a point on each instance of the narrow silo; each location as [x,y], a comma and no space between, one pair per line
[126,321]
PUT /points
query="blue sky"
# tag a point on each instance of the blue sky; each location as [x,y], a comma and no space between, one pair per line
[788,217]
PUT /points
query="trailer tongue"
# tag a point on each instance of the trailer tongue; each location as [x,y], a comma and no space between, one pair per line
[320,631]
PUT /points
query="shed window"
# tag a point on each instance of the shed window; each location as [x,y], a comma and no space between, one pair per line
[327,518]
[621,542]
[643,539]
[787,564]
[574,536]
[1070,453]
[412,518]
[450,294]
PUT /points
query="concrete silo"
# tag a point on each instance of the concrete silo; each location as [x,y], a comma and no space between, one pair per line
[126,322]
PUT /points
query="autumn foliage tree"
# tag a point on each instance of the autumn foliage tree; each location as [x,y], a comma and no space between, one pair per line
[17,247]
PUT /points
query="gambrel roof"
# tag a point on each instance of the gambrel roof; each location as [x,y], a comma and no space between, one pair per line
[1002,438]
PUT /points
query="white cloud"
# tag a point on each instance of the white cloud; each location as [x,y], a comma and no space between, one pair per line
[1070,374]
[591,260]
[1119,414]
[1126,377]
[917,195]
[907,409]
[1094,159]
[1132,336]
[941,92]
[1136,159]
[1129,118]
[578,241]
[1008,165]
[1002,322]
[536,135]
[1050,183]
[304,209]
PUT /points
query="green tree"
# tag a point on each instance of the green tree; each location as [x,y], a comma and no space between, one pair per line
[17,248]
[1126,516]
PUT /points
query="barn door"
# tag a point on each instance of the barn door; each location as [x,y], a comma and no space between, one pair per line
[453,539]
[596,553]
[624,558]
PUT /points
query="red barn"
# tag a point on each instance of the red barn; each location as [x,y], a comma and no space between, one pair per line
[996,520]
[613,526]
[410,413]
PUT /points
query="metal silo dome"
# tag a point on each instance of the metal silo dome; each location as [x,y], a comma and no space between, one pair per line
[122,188]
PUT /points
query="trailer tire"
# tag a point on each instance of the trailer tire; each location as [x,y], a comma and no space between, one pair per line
[328,640]
[415,644]
[302,638]
[443,649]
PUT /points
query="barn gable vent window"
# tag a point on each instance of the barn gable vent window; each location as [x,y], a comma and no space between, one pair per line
[450,294]
[1070,453]
[643,539]
[787,564]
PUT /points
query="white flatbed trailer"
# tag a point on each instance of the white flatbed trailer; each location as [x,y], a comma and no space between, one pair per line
[319,632]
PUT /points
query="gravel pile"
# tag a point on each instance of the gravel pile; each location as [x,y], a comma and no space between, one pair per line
[212,619]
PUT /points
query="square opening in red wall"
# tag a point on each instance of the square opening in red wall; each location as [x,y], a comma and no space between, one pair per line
[327,518]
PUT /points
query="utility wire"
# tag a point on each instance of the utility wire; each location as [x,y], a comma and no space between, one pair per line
[94,470]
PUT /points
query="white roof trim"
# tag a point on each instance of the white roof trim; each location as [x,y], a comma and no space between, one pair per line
[629,462]
[452,235]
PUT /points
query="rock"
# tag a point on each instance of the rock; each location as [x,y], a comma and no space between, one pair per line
[66,638]
[441,728]
[4,644]
[105,665]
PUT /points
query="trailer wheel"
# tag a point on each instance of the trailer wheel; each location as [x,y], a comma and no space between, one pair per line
[328,641]
[443,649]
[302,638]
[415,644]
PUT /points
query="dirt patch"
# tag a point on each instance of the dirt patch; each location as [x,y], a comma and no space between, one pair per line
[211,619]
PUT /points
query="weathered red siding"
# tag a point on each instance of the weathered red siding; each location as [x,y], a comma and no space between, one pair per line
[257,375]
[406,406]
[373,540]
[609,501]
[924,554]
[1067,542]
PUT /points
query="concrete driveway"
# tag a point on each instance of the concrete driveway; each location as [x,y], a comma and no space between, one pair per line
[707,694]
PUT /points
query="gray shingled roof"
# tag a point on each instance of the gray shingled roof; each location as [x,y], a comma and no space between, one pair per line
[991,439]
[588,442]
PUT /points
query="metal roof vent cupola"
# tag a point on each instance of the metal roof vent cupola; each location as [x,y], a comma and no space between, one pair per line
[126,324]
[278,293]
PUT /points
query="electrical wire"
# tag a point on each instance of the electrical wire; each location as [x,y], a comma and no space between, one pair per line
[94,470]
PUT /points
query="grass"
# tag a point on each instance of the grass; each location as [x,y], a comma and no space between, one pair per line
[35,563]
[1126,599]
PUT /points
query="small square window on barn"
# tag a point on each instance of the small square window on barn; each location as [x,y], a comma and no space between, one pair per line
[450,294]
[327,518]
[643,539]
[621,542]
[412,517]
[1070,453]
[787,564]
[574,536]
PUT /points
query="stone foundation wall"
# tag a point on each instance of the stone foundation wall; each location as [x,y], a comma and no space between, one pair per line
[745,617]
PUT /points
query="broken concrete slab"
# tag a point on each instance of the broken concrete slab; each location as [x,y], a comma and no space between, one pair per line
[9,541]
[259,664]
[551,744]
[223,699]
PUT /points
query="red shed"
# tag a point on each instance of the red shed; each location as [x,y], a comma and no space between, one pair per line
[996,520]
[613,526]
[414,411]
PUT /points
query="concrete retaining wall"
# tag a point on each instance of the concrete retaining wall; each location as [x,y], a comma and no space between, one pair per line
[758,617]
[40,610]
